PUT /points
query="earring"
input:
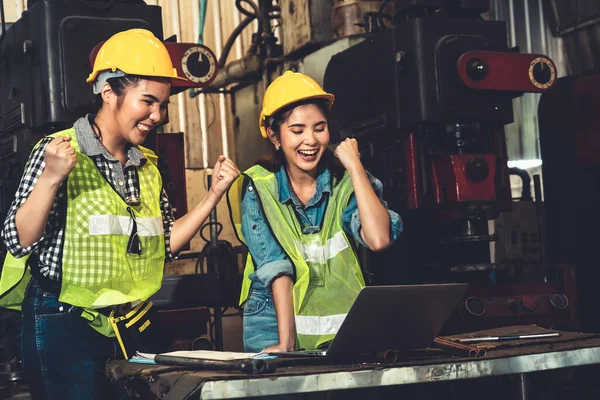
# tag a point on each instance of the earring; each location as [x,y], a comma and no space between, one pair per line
[277,147]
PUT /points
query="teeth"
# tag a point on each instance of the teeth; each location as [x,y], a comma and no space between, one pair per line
[143,127]
[308,152]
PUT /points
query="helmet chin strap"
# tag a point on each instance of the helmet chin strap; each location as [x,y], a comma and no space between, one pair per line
[104,76]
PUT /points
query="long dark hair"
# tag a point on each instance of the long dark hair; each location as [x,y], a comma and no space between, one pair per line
[276,159]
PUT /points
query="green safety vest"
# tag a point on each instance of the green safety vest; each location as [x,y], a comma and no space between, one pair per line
[96,270]
[328,274]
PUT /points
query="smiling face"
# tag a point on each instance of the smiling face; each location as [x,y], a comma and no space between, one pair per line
[303,137]
[140,108]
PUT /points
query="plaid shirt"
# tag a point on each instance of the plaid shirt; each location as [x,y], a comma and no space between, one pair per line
[124,179]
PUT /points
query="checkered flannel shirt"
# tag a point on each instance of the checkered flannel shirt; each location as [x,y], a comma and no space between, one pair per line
[124,179]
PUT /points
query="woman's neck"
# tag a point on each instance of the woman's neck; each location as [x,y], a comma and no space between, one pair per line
[303,184]
[106,131]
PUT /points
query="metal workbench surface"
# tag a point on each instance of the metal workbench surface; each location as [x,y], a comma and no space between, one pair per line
[319,382]
[302,376]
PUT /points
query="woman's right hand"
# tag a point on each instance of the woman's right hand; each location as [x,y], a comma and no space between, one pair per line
[225,172]
[60,158]
[348,154]
[278,348]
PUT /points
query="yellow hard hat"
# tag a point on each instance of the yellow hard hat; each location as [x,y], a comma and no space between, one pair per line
[287,89]
[134,52]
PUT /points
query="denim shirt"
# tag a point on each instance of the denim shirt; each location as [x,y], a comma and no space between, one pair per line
[270,260]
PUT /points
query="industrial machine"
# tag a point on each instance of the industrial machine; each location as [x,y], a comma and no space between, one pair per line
[569,141]
[428,97]
[427,87]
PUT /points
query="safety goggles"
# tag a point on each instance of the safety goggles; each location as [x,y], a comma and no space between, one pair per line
[133,244]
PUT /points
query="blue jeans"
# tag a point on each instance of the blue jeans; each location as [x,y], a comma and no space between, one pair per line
[63,356]
[260,321]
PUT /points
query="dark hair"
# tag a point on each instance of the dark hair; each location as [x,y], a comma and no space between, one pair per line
[120,85]
[276,159]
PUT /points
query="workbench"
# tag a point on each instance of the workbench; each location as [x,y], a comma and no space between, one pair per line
[300,375]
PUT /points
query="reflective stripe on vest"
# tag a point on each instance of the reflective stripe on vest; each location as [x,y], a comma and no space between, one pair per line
[314,253]
[319,325]
[122,225]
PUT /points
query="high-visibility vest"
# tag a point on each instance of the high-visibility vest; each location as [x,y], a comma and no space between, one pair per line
[96,270]
[328,274]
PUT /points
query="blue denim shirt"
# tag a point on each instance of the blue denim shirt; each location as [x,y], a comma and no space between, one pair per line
[269,258]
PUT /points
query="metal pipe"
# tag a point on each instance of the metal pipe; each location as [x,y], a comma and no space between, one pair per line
[544,43]
[528,38]
[250,366]
[203,129]
[525,180]
[201,99]
[257,14]
[579,26]
[231,40]
[180,98]
[237,71]
[3,19]
[513,29]
[236,22]
[218,45]
[522,387]
[214,268]
[540,219]
[458,349]
[496,10]
[387,356]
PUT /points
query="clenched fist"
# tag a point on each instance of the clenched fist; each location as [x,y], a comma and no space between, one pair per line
[348,154]
[60,158]
[224,173]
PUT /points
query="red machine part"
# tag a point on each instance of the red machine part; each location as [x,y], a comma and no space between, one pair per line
[170,150]
[464,177]
[544,304]
[193,61]
[412,169]
[504,71]
[517,301]
[171,154]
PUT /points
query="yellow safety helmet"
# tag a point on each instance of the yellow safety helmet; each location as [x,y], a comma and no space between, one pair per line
[134,52]
[287,89]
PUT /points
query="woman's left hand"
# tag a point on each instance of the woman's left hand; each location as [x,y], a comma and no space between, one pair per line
[224,173]
[348,154]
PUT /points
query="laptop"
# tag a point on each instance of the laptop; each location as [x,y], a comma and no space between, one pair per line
[403,317]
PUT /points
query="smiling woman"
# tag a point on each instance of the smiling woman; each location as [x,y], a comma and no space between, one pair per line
[127,115]
[92,223]
[299,285]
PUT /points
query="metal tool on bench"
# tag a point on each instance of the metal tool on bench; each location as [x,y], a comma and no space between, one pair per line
[250,366]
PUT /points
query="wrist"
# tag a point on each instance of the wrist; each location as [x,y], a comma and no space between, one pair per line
[355,169]
[287,345]
[50,179]
[213,197]
[287,341]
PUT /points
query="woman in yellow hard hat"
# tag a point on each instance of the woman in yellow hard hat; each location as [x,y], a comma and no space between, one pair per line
[299,212]
[93,224]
